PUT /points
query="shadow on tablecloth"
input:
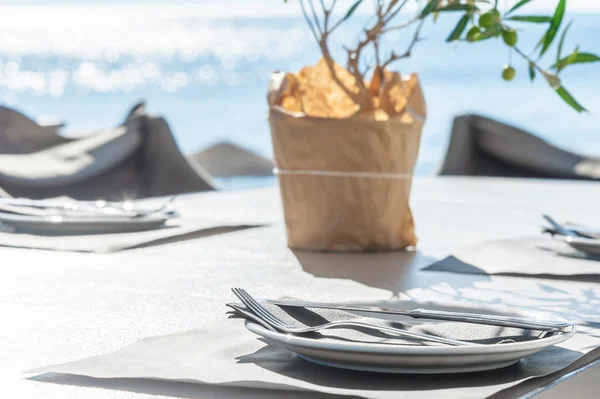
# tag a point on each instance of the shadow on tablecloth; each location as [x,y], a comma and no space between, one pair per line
[391,271]
[452,264]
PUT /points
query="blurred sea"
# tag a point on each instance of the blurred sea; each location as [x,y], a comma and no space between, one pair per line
[208,74]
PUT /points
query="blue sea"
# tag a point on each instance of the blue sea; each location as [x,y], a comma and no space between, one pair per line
[206,70]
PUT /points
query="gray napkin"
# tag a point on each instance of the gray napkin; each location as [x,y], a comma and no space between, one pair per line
[102,243]
[476,333]
[536,256]
[227,354]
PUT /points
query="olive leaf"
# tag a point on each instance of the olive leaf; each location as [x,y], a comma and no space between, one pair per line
[429,8]
[562,41]
[459,29]
[352,9]
[538,19]
[516,6]
[459,7]
[531,72]
[554,26]
[575,58]
[569,99]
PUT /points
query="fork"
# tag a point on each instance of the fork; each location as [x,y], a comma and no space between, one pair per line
[248,315]
[268,317]
[559,227]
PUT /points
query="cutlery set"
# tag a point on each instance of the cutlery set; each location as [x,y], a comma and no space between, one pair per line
[581,238]
[279,325]
[254,310]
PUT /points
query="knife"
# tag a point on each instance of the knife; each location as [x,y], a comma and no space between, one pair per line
[475,318]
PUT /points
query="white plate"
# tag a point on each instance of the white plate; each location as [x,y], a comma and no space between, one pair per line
[80,224]
[388,358]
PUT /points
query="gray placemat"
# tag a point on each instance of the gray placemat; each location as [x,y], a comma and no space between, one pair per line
[226,354]
[102,243]
[536,256]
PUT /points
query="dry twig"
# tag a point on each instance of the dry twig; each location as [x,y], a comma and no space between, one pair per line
[322,28]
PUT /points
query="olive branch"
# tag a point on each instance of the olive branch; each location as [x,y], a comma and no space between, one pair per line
[479,20]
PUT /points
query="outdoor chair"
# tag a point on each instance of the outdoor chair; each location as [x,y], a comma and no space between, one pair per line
[137,159]
[481,146]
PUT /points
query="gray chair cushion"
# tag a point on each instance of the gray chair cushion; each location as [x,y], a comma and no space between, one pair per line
[226,159]
[165,170]
[136,160]
[481,146]
[72,162]
[21,135]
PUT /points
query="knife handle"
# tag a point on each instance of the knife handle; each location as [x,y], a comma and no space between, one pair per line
[503,321]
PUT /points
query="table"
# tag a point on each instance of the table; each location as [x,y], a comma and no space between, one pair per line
[58,307]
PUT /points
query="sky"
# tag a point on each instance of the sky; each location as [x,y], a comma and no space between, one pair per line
[277,7]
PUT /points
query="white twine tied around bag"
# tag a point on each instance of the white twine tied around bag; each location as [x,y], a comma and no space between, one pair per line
[339,173]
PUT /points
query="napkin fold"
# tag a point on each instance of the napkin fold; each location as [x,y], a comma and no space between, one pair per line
[475,333]
[533,256]
[103,243]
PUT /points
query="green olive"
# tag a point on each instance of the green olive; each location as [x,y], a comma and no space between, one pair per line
[508,73]
[473,34]
[510,37]
[487,20]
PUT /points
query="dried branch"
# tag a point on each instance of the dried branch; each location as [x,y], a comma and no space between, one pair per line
[308,21]
[315,17]
[377,54]
[321,29]
[416,38]
[353,66]
[378,7]
[402,25]
[390,6]
[393,14]
[322,41]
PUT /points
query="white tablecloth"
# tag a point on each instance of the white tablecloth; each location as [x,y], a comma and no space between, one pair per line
[58,307]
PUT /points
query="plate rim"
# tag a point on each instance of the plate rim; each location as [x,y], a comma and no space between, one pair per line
[594,242]
[39,220]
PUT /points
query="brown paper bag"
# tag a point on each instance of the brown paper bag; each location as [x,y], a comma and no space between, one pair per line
[345,183]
